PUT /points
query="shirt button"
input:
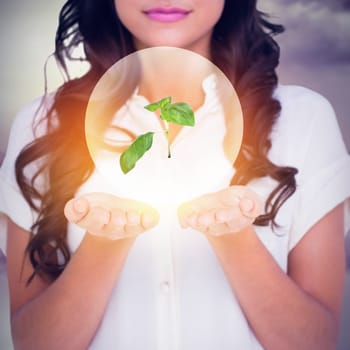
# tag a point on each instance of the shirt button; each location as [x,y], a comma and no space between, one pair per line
[165,287]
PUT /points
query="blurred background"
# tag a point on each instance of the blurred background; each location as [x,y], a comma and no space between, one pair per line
[315,53]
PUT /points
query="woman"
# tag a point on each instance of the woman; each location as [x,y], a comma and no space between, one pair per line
[222,285]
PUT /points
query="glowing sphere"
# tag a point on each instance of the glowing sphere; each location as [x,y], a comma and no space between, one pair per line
[201,156]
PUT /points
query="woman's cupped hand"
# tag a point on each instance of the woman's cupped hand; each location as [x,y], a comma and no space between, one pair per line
[224,212]
[112,217]
[219,213]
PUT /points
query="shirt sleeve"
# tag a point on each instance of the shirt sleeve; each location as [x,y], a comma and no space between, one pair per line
[323,180]
[12,202]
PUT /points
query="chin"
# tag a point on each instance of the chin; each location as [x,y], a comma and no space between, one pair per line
[164,40]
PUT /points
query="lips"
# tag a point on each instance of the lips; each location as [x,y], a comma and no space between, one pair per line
[161,14]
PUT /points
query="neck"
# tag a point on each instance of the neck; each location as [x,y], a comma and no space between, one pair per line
[173,72]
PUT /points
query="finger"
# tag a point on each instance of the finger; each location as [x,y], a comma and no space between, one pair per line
[231,196]
[133,224]
[95,220]
[133,218]
[142,214]
[149,219]
[207,218]
[120,227]
[251,204]
[246,205]
[133,230]
[75,209]
[184,211]
[229,220]
[139,222]
[118,219]
[192,220]
[230,227]
[181,215]
[115,227]
[124,224]
[223,215]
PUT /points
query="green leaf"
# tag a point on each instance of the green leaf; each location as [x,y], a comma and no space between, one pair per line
[153,106]
[135,151]
[179,113]
[160,104]
[164,102]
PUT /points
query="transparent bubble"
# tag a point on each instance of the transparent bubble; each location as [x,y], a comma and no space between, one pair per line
[202,156]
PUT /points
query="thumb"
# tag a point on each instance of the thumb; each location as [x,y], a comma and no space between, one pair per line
[75,209]
[250,205]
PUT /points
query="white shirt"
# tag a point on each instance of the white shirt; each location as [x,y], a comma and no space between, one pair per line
[172,292]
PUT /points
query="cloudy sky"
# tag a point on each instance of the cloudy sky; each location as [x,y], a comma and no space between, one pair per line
[318,31]
[315,51]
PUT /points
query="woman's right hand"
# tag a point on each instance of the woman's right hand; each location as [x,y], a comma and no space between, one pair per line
[86,283]
[111,217]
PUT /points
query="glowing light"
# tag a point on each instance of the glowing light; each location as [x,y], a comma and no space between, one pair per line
[116,115]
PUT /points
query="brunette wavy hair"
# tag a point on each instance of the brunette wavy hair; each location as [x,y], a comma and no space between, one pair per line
[242,47]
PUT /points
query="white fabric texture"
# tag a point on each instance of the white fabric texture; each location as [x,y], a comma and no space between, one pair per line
[12,203]
[172,292]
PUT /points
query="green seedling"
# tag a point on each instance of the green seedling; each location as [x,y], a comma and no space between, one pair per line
[178,113]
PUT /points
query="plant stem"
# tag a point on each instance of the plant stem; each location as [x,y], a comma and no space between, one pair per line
[167,129]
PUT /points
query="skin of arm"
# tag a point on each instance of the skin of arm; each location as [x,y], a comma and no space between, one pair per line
[299,310]
[65,313]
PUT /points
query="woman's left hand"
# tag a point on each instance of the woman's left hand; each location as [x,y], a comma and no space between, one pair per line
[223,212]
